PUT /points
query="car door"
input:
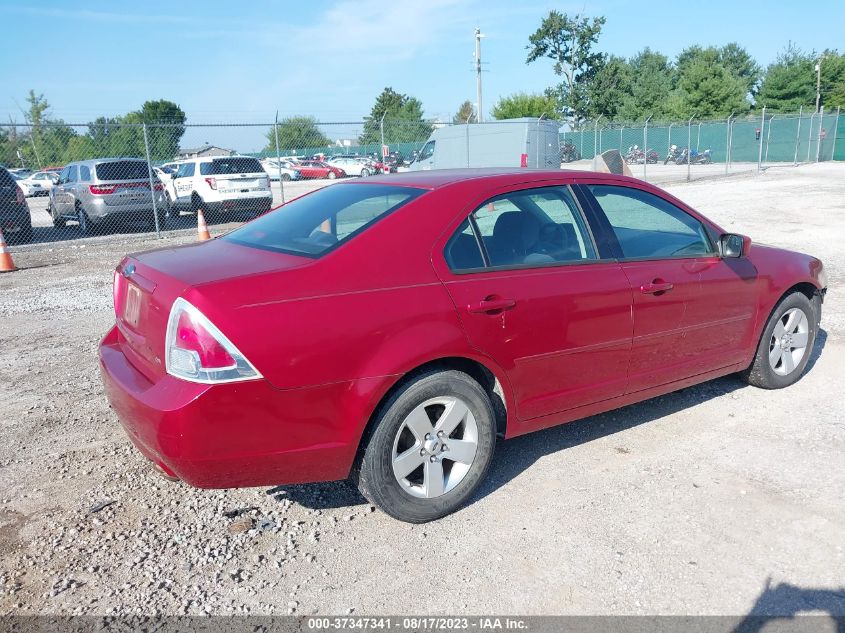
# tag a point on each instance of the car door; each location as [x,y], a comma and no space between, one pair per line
[183,184]
[534,294]
[693,311]
[59,194]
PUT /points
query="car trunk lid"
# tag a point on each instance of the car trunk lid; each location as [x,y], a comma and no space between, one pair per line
[147,284]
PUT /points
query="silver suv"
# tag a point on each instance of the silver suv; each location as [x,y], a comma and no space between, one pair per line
[93,192]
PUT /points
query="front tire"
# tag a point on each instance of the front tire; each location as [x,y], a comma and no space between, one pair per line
[85,226]
[431,446]
[786,344]
[331,175]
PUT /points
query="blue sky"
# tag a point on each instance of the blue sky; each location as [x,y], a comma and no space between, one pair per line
[240,61]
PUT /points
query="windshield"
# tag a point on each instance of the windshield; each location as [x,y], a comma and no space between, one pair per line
[316,223]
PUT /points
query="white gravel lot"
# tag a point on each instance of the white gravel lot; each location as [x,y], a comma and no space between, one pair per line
[719,499]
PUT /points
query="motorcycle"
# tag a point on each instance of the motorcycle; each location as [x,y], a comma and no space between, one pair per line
[569,153]
[701,158]
[636,156]
[674,154]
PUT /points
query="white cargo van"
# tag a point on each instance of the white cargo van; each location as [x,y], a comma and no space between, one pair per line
[506,143]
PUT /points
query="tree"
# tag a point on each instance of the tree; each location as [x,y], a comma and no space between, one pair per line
[522,104]
[403,120]
[569,42]
[832,79]
[465,114]
[735,59]
[297,133]
[789,82]
[707,90]
[165,127]
[651,85]
[607,91]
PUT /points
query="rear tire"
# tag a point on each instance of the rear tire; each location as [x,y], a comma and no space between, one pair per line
[85,226]
[786,343]
[405,469]
[286,177]
[365,173]
[331,175]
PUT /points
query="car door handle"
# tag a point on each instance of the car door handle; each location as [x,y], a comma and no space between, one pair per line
[658,286]
[491,305]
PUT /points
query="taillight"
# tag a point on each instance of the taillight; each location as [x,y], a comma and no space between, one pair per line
[19,195]
[197,351]
[115,290]
[158,186]
[212,182]
[102,190]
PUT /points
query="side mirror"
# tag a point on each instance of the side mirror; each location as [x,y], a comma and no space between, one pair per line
[734,245]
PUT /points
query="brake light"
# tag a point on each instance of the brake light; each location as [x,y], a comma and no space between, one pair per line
[195,350]
[158,186]
[102,190]
[115,290]
[212,182]
[19,195]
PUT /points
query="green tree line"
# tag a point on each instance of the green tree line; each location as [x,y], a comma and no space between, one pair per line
[46,141]
[702,81]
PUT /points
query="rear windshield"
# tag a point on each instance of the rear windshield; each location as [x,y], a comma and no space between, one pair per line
[316,223]
[122,170]
[230,166]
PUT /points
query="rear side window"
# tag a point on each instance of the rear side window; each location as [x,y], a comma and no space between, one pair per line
[318,222]
[233,165]
[122,170]
[647,226]
[84,173]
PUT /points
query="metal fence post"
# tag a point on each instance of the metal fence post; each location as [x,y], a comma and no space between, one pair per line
[798,135]
[835,132]
[819,135]
[689,142]
[581,136]
[698,140]
[760,149]
[596,136]
[645,145]
[670,135]
[810,136]
[150,175]
[620,139]
[768,140]
[728,142]
[279,157]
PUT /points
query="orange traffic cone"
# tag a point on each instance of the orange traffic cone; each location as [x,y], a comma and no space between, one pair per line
[6,263]
[202,227]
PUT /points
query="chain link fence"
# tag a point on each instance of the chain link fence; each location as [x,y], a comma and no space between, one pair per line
[117,177]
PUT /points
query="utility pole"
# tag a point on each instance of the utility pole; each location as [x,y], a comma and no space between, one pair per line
[818,82]
[478,106]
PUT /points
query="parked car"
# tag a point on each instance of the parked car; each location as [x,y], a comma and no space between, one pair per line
[20,172]
[15,220]
[281,169]
[475,305]
[222,184]
[104,190]
[39,183]
[25,186]
[353,166]
[318,169]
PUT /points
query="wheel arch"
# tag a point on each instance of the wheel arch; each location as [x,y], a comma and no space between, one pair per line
[493,382]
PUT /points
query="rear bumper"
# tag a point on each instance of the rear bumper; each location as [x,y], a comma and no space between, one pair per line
[257,204]
[237,434]
[15,217]
[97,208]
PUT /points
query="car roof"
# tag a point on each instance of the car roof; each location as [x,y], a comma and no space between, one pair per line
[437,178]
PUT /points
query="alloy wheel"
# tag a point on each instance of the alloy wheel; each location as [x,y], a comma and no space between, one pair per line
[435,447]
[789,341]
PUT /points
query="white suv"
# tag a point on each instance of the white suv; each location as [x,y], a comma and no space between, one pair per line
[221,184]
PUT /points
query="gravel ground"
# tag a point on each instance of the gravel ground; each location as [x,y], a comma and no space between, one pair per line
[719,499]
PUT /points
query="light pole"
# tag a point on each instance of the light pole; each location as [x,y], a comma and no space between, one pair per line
[818,82]
[478,107]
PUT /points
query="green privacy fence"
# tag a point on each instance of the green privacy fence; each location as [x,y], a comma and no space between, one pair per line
[782,138]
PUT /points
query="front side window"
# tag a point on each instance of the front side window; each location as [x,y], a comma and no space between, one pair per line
[649,227]
[71,173]
[185,170]
[318,222]
[527,227]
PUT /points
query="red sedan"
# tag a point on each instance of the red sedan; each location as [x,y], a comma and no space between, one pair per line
[319,169]
[391,329]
